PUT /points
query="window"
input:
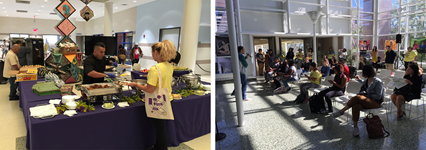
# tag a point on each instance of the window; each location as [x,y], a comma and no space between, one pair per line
[385,5]
[366,28]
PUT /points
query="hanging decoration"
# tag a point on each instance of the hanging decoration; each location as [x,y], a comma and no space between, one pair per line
[86,13]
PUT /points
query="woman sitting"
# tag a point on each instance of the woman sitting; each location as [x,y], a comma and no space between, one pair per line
[291,75]
[315,78]
[338,88]
[371,96]
[325,69]
[409,92]
[415,63]
[333,63]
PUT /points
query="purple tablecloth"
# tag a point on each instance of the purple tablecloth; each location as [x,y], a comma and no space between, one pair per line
[137,74]
[119,128]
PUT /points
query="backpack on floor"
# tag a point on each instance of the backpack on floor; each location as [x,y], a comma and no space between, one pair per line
[316,103]
[375,127]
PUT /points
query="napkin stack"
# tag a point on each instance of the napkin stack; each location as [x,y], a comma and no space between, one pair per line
[70,113]
[123,104]
[43,111]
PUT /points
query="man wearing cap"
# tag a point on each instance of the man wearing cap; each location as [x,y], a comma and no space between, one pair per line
[12,63]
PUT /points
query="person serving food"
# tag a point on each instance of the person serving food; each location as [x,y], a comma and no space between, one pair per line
[94,65]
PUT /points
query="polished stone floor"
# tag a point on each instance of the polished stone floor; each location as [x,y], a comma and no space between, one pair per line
[272,122]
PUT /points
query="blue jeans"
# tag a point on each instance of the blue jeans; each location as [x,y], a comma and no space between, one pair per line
[285,82]
[13,87]
[303,71]
[243,86]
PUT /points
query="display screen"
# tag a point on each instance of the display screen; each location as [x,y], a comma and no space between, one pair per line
[109,41]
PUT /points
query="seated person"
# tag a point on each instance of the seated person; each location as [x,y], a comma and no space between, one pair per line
[415,63]
[332,63]
[272,70]
[305,66]
[371,96]
[315,81]
[338,88]
[414,80]
[281,71]
[325,69]
[291,75]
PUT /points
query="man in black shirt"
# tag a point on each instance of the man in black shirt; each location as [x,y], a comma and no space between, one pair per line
[95,64]
[390,59]
[260,61]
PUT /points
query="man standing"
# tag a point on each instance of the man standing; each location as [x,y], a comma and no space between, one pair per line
[22,55]
[122,55]
[390,59]
[5,49]
[12,63]
[260,62]
[135,54]
[94,65]
[242,65]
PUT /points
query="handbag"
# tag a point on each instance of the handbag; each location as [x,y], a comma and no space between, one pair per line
[122,56]
[157,103]
[405,90]
[375,127]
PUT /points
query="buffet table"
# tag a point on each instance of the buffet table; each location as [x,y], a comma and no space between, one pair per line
[119,128]
[140,75]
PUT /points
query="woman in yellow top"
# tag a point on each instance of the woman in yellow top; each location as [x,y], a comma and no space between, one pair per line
[299,58]
[410,55]
[162,52]
[374,58]
[310,54]
[315,78]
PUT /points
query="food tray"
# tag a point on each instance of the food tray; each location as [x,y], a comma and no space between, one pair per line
[47,92]
[98,92]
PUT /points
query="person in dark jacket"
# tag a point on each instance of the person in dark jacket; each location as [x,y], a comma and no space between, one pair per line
[412,78]
[290,54]
[22,54]
[122,54]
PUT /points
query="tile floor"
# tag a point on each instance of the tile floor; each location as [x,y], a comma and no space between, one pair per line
[12,124]
[272,122]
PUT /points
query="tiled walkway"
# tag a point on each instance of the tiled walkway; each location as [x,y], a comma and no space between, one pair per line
[272,122]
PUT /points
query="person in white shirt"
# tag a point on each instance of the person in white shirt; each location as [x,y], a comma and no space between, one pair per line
[12,63]
[343,54]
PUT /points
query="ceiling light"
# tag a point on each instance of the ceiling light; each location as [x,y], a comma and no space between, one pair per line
[45,0]
[42,6]
[5,11]
[39,10]
[37,14]
[134,1]
[116,7]
[1,2]
[7,15]
[4,8]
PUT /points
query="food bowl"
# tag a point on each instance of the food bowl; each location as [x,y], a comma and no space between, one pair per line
[68,98]
[191,80]
[207,87]
[71,105]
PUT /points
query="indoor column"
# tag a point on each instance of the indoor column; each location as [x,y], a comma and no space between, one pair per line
[335,45]
[108,19]
[73,34]
[190,28]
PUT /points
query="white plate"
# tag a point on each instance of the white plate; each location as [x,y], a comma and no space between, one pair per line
[177,98]
[200,94]
[113,106]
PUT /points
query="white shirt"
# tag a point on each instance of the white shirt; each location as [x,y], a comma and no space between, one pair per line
[294,75]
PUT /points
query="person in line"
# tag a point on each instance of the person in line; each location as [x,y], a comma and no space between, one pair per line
[332,64]
[281,71]
[299,60]
[412,78]
[315,82]
[330,54]
[290,54]
[5,49]
[375,57]
[122,54]
[135,54]
[371,96]
[345,68]
[162,52]
[409,56]
[325,69]
[338,88]
[269,58]
[243,65]
[260,62]
[310,54]
[12,63]
[343,54]
[305,66]
[390,59]
[291,75]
